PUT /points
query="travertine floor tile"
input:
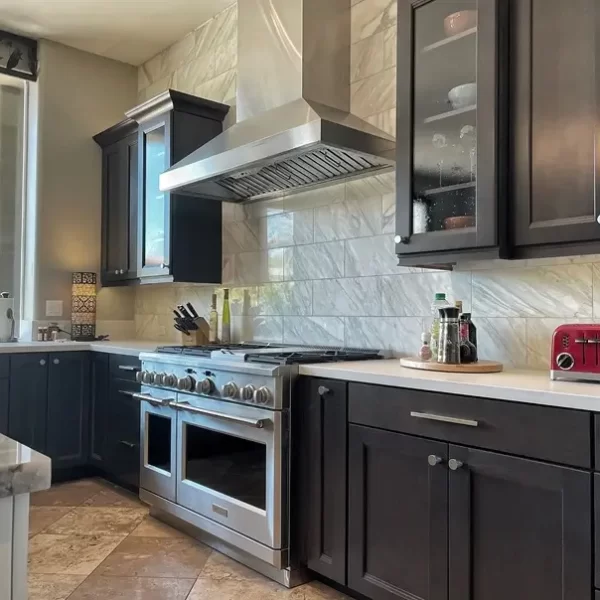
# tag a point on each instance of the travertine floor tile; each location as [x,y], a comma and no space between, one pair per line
[53,587]
[99,521]
[114,497]
[235,589]
[315,590]
[70,554]
[219,566]
[128,588]
[41,517]
[67,494]
[151,527]
[156,557]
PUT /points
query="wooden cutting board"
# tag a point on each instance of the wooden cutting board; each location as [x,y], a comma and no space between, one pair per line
[483,366]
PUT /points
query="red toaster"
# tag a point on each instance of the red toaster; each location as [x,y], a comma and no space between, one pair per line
[576,353]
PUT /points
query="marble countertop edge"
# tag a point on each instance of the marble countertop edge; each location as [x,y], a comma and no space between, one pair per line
[22,470]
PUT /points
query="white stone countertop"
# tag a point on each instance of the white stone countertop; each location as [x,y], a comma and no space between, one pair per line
[127,347]
[532,387]
[22,470]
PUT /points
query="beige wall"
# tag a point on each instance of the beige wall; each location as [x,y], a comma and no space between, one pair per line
[79,95]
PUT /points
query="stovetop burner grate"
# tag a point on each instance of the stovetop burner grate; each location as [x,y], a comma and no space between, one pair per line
[205,351]
[313,356]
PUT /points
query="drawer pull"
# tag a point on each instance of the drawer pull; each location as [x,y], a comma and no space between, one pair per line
[454,464]
[444,419]
[323,391]
[434,460]
[129,368]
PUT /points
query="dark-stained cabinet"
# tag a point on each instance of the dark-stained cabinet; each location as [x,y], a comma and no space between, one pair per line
[451,141]
[321,412]
[28,403]
[179,237]
[4,395]
[398,516]
[119,202]
[98,408]
[67,427]
[555,71]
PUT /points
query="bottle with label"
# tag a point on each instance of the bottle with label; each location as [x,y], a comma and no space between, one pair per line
[438,302]
[226,319]
[468,332]
[213,321]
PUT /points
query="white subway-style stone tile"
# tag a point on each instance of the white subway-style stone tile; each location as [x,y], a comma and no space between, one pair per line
[359,296]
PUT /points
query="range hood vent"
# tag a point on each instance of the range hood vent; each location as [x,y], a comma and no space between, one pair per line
[294,127]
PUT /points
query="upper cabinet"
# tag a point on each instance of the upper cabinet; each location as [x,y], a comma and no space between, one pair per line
[149,235]
[119,203]
[449,184]
[555,49]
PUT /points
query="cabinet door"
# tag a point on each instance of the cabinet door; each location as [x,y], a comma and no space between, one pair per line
[448,179]
[554,158]
[4,406]
[518,529]
[68,409]
[98,408]
[320,407]
[154,213]
[398,516]
[28,400]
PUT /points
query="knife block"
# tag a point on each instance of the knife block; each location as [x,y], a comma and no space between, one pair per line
[198,337]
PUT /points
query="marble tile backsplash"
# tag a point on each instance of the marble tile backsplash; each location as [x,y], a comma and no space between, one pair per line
[319,267]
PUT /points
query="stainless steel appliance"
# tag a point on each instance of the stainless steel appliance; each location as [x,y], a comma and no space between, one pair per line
[215,446]
[294,127]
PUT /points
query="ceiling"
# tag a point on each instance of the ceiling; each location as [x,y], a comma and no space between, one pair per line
[131,31]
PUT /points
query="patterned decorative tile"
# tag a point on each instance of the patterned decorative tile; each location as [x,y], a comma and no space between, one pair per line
[359,296]
[322,331]
[366,57]
[559,291]
[315,261]
[288,298]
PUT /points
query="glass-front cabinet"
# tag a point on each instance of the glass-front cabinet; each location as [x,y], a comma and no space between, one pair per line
[449,113]
[154,251]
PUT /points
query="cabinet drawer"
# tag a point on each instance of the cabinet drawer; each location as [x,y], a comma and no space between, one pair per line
[547,433]
[597,443]
[4,366]
[124,367]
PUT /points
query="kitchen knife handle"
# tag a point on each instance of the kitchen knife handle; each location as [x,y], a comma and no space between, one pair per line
[192,310]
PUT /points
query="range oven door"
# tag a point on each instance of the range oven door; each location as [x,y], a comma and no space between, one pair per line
[231,467]
[158,458]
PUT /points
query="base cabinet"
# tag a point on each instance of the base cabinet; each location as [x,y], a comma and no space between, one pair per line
[398,516]
[4,406]
[98,408]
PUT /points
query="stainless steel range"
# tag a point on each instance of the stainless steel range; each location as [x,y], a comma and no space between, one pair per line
[215,445]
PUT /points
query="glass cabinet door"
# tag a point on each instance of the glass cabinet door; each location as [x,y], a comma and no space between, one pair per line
[447,190]
[155,210]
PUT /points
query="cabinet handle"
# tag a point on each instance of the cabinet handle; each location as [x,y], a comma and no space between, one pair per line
[164,266]
[128,444]
[434,460]
[399,239]
[42,362]
[454,464]
[116,271]
[444,419]
[323,391]
[122,272]
[129,368]
[56,361]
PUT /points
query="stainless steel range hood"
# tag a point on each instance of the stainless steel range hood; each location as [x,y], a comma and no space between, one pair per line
[294,126]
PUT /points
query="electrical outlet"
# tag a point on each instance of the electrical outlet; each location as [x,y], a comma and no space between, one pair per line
[54,308]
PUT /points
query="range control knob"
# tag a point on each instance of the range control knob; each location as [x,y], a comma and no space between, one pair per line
[565,361]
[230,390]
[206,386]
[139,376]
[169,380]
[160,379]
[262,395]
[148,377]
[248,393]
[186,384]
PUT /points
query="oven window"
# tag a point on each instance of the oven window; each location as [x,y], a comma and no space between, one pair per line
[230,465]
[159,442]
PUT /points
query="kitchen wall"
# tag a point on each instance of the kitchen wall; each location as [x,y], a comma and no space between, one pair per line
[319,267]
[77,95]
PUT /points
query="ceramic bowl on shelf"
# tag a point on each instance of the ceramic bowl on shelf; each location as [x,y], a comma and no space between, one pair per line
[462,96]
[459,222]
[459,22]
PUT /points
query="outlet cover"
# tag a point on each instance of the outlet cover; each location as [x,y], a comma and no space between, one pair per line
[54,308]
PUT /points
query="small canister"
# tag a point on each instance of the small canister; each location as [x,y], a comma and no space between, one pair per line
[449,345]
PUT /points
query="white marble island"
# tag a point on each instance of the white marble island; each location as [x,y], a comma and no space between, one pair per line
[22,471]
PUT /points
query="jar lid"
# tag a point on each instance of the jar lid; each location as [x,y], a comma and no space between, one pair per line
[440,296]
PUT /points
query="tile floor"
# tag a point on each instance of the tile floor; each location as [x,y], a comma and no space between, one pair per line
[90,540]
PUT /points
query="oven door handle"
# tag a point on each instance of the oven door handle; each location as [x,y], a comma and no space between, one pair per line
[258,423]
[145,398]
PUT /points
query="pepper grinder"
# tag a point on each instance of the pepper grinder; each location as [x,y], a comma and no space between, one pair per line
[449,346]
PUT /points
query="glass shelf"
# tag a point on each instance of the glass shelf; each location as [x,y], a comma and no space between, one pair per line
[449,188]
[454,38]
[449,114]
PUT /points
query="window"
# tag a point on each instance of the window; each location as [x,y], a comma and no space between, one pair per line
[12,126]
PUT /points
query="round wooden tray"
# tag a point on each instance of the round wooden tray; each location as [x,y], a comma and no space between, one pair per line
[483,366]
